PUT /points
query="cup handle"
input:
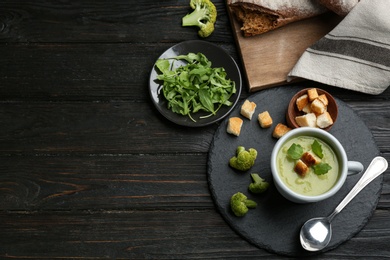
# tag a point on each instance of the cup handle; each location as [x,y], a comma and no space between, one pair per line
[354,167]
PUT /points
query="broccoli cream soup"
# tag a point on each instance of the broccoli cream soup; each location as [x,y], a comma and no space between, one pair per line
[314,181]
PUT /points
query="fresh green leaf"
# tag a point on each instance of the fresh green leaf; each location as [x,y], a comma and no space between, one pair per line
[194,86]
[321,168]
[317,149]
[205,100]
[163,65]
[190,57]
[295,151]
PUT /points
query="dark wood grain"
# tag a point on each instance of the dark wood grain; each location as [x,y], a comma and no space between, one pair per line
[104,182]
[93,72]
[92,127]
[90,170]
[147,235]
[102,21]
[123,234]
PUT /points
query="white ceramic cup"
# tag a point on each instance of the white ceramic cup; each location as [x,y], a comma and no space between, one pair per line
[346,167]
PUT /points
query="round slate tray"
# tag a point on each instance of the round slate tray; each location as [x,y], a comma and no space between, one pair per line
[274,225]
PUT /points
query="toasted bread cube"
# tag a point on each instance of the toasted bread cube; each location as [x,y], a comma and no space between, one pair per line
[312,93]
[265,120]
[302,101]
[323,99]
[234,126]
[248,108]
[307,120]
[310,159]
[280,130]
[318,107]
[324,120]
[301,168]
[307,109]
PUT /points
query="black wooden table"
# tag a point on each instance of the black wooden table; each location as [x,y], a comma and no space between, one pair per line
[90,169]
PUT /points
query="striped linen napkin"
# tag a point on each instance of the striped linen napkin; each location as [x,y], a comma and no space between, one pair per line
[355,55]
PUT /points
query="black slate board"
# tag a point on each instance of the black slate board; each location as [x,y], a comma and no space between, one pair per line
[274,225]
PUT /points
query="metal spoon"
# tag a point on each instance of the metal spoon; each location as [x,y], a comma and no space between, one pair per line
[316,233]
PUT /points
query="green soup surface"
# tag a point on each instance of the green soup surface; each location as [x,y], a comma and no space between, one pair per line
[311,184]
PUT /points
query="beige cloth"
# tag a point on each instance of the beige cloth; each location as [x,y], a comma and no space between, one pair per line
[355,55]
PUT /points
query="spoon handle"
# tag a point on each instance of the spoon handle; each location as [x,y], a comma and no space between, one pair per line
[377,166]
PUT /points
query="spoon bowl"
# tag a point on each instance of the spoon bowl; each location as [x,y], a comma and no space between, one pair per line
[316,233]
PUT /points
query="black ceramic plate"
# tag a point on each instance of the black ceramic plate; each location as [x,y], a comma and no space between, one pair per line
[219,58]
[274,225]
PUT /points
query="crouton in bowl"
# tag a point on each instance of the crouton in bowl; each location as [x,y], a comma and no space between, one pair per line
[312,107]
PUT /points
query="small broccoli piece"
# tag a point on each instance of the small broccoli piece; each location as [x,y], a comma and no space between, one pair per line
[240,204]
[259,185]
[204,16]
[243,160]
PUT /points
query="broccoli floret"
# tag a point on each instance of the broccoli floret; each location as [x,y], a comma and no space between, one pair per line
[259,185]
[240,204]
[203,16]
[243,160]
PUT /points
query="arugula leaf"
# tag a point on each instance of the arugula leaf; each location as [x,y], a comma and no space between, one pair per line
[321,168]
[295,151]
[194,86]
[205,100]
[163,65]
[317,149]
[190,57]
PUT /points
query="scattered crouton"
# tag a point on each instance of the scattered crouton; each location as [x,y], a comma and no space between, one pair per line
[280,130]
[234,126]
[248,108]
[265,120]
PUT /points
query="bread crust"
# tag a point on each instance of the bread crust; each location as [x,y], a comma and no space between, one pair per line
[318,107]
[248,108]
[307,120]
[323,99]
[301,168]
[302,102]
[265,119]
[234,126]
[324,120]
[280,130]
[260,16]
[312,93]
[310,159]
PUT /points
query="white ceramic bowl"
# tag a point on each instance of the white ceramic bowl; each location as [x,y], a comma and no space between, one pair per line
[346,167]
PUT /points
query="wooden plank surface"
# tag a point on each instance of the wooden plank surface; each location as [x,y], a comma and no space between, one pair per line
[163,234]
[88,167]
[269,57]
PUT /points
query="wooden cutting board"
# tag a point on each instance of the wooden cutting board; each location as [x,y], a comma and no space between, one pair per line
[269,57]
